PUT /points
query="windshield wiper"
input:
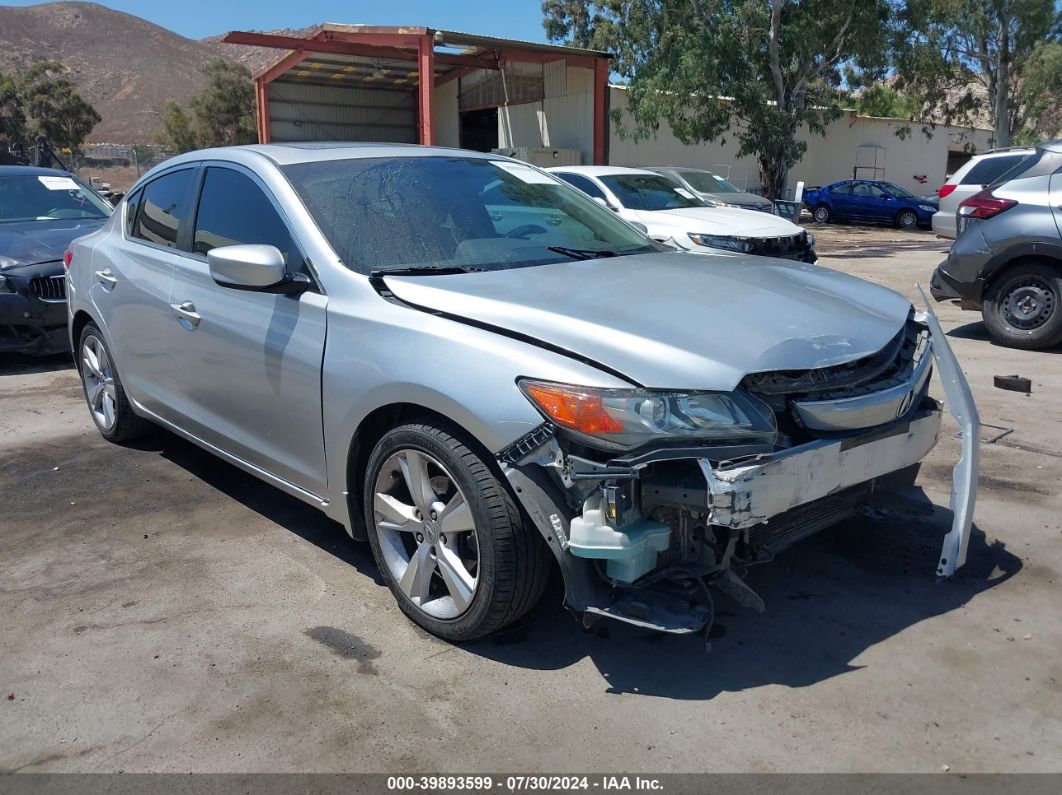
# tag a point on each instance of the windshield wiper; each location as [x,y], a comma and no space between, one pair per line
[582,253]
[424,270]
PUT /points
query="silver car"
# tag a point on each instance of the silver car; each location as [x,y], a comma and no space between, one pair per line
[713,189]
[487,374]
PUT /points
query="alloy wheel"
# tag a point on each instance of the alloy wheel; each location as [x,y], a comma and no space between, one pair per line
[821,215]
[1029,304]
[426,533]
[98,374]
[908,220]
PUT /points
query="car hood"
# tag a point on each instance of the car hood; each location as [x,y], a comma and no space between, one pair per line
[729,221]
[29,242]
[736,198]
[676,320]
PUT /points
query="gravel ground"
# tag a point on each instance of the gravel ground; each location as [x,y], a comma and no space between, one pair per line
[163,611]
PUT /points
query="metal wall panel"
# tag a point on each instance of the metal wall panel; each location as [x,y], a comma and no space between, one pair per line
[310,111]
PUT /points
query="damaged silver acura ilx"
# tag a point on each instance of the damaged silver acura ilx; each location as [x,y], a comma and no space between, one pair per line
[482,370]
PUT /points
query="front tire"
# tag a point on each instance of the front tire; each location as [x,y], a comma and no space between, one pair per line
[448,537]
[1023,308]
[109,406]
[908,219]
[821,214]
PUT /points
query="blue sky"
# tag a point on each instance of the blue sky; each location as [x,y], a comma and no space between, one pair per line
[196,19]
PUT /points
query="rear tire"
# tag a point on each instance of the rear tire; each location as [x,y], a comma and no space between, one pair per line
[109,406]
[822,214]
[907,219]
[459,573]
[1023,307]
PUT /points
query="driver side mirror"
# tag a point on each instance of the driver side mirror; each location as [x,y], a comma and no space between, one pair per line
[254,267]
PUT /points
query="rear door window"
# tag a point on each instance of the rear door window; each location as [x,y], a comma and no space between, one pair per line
[163,206]
[583,183]
[987,171]
[841,188]
[233,210]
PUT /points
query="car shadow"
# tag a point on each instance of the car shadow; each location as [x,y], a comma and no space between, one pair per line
[977,331]
[21,364]
[289,512]
[829,599]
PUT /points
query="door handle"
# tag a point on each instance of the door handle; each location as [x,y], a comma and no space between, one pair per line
[186,313]
[106,278]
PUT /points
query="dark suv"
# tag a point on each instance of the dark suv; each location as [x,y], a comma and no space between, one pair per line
[1007,258]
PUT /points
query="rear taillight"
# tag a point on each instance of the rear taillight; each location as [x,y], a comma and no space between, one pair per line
[68,257]
[984,205]
[945,190]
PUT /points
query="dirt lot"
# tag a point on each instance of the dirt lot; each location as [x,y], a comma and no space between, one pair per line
[162,611]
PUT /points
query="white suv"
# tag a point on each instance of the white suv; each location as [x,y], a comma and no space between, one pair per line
[974,175]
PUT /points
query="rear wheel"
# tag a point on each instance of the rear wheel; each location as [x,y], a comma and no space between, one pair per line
[821,214]
[908,219]
[108,404]
[448,537]
[1022,307]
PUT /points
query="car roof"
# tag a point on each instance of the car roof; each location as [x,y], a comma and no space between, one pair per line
[285,154]
[32,171]
[1009,150]
[603,171]
[680,169]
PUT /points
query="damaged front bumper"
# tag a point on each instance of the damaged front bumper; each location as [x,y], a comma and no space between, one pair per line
[641,541]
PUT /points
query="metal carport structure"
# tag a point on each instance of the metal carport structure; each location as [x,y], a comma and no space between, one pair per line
[384,83]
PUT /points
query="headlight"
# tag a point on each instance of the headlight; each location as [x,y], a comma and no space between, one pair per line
[927,208]
[717,203]
[623,419]
[723,242]
[4,286]
[811,239]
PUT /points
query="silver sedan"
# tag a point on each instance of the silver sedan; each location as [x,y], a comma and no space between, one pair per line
[487,375]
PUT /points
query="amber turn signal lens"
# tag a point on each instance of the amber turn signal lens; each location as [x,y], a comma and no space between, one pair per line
[578,410]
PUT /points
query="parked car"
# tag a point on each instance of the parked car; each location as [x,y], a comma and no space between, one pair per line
[713,189]
[478,367]
[41,211]
[1007,259]
[671,213]
[869,200]
[971,177]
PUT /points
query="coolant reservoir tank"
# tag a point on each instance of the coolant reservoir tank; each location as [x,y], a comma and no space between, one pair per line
[630,550]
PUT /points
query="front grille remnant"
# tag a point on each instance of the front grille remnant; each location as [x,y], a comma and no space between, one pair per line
[789,247]
[892,365]
[49,288]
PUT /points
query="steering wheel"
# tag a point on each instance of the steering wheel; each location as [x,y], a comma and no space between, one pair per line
[524,231]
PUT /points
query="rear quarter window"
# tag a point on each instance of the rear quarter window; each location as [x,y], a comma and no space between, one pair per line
[987,171]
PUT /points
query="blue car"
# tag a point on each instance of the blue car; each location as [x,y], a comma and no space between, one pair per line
[869,200]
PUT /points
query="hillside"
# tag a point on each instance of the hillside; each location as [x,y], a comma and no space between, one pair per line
[126,67]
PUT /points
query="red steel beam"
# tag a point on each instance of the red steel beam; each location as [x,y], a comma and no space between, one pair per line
[283,65]
[425,86]
[391,50]
[262,101]
[454,74]
[601,111]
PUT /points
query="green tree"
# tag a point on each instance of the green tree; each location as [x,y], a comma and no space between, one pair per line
[760,71]
[12,112]
[885,101]
[966,58]
[1041,90]
[58,111]
[222,114]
